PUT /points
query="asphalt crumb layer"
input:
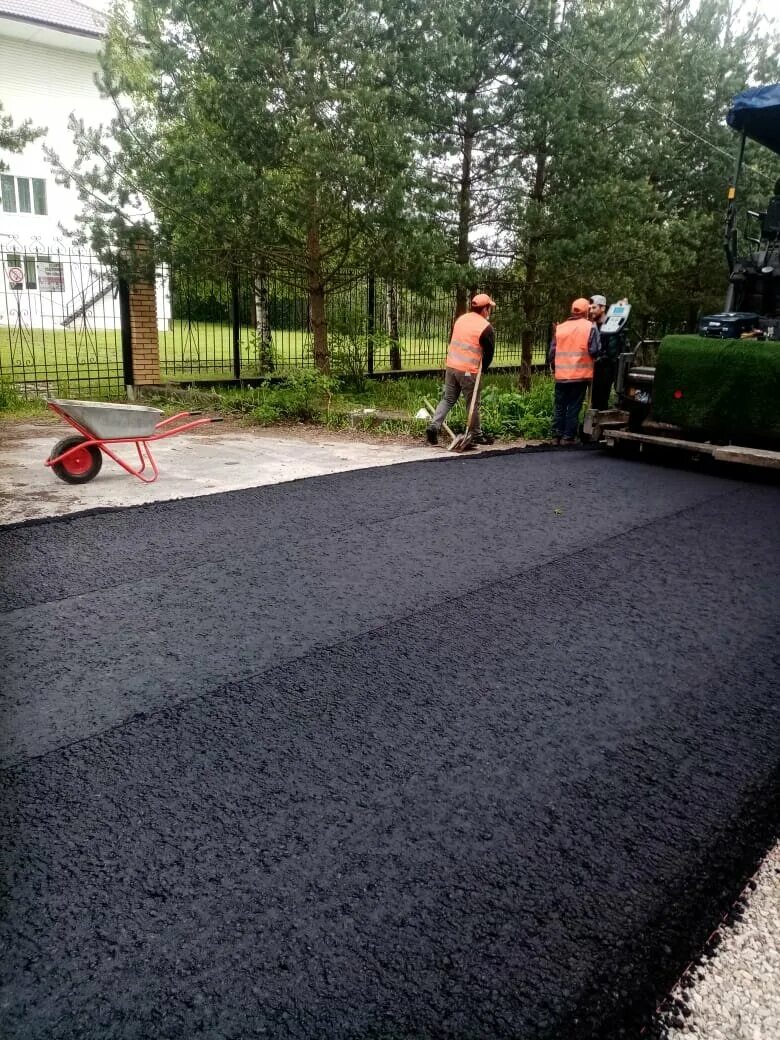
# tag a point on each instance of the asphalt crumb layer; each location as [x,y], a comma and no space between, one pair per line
[109,615]
[509,809]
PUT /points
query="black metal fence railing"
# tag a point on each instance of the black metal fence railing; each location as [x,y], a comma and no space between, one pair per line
[231,324]
[60,323]
[63,320]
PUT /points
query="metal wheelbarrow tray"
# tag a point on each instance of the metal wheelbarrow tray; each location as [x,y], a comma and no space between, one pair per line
[78,458]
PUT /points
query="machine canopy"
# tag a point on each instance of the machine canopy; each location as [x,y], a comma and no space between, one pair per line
[756,113]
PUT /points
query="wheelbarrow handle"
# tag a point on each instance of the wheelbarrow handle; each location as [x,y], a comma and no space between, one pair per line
[174,418]
[166,429]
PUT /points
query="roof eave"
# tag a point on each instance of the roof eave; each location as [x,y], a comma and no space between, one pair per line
[69,29]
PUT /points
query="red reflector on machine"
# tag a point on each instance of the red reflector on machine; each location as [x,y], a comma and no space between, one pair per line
[677,395]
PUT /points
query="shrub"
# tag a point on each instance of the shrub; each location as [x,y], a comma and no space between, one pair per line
[301,396]
[10,398]
[512,413]
[265,415]
[349,359]
[13,402]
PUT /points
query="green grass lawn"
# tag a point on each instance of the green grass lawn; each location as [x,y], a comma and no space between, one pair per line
[61,361]
[57,359]
[210,347]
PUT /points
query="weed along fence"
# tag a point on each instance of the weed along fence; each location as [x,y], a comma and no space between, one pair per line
[69,327]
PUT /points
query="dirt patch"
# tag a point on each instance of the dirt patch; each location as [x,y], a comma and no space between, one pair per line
[14,430]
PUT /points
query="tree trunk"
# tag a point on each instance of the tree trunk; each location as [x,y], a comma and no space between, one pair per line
[392,324]
[527,337]
[316,289]
[465,201]
[529,295]
[265,359]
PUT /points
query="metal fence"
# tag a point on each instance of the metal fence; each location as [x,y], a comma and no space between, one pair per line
[65,328]
[60,323]
[377,323]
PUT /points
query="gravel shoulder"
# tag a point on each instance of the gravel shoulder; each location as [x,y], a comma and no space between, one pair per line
[733,991]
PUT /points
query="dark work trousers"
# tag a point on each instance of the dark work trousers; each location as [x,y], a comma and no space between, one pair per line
[604,372]
[569,395]
[456,383]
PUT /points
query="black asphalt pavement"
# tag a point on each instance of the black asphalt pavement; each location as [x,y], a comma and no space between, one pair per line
[473,750]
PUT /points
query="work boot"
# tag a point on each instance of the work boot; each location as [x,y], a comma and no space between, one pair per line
[482,438]
[432,434]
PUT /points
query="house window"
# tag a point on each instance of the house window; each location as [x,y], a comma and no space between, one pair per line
[30,275]
[16,195]
[23,190]
[39,196]
[8,192]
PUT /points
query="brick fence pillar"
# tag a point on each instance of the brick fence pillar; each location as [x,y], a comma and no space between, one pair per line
[143,329]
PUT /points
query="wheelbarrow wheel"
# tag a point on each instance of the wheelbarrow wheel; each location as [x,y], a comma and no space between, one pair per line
[82,465]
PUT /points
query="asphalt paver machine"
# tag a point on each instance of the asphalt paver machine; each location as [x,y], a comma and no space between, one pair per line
[716,393]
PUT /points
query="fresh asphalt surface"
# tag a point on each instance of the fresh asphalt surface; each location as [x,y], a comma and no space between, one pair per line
[466,750]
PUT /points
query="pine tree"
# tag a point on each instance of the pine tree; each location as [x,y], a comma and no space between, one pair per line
[267,134]
[15,138]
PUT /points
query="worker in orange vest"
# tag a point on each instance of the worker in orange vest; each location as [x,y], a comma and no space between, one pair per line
[574,346]
[472,344]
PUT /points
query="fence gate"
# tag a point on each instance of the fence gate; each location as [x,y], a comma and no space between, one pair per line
[60,324]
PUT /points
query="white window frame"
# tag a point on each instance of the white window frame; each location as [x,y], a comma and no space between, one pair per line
[36,192]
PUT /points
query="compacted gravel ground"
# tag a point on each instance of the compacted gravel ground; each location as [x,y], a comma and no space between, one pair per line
[733,993]
[478,750]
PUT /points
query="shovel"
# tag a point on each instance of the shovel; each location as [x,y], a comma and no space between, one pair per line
[464,440]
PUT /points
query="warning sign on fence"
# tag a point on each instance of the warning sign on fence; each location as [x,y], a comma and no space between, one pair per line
[15,275]
[50,276]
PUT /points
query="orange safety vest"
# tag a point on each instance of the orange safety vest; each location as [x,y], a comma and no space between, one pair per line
[465,352]
[572,360]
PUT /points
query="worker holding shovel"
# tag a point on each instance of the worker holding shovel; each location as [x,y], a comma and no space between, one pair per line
[472,344]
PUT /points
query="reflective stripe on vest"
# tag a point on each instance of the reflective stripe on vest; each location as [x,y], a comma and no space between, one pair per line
[465,353]
[572,360]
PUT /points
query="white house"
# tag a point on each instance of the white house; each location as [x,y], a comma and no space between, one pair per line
[48,63]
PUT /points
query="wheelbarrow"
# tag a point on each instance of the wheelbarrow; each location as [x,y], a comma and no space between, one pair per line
[78,458]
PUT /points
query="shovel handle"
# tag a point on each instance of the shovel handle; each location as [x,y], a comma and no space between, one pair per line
[474,399]
[444,426]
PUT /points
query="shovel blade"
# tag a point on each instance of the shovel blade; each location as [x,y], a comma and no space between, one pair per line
[461,442]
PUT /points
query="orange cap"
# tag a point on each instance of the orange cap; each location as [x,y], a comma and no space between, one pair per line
[482,300]
[580,306]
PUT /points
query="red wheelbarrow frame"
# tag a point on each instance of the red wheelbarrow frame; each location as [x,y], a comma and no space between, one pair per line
[141,443]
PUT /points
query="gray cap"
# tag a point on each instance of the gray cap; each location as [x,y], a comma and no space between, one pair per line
[599,301]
